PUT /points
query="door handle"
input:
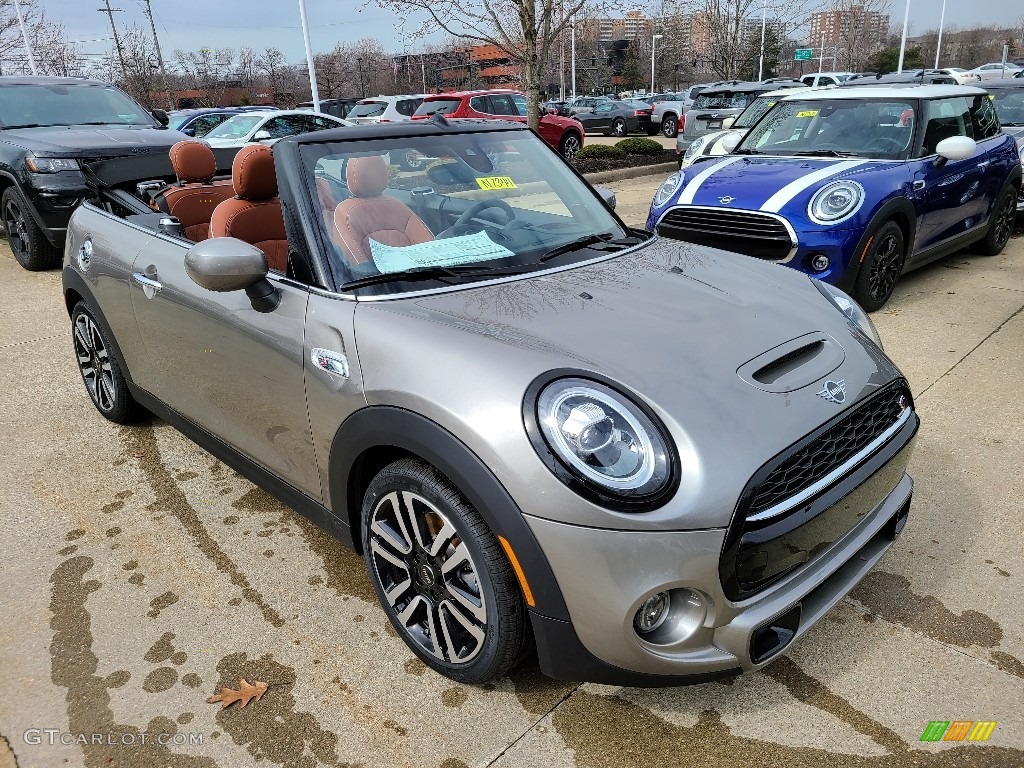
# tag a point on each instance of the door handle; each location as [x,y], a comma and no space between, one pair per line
[150,287]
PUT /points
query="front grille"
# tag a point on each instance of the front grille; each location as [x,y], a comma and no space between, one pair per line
[830,450]
[747,232]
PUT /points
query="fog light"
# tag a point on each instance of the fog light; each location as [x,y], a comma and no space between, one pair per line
[652,613]
[820,262]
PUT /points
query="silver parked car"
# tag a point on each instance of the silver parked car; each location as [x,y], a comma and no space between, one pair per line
[657,462]
[713,106]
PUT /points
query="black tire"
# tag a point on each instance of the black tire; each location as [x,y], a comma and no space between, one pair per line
[94,352]
[619,128]
[670,126]
[881,268]
[1004,219]
[28,243]
[570,145]
[412,494]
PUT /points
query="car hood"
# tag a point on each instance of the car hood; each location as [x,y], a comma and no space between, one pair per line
[769,183]
[92,141]
[674,324]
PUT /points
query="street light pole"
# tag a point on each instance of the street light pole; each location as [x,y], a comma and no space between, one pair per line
[653,38]
[572,38]
[942,22]
[309,56]
[903,41]
[764,19]
[24,37]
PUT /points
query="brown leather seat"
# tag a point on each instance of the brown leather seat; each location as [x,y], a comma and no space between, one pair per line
[254,214]
[195,196]
[369,214]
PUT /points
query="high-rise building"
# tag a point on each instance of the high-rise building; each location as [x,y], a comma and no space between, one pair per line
[838,26]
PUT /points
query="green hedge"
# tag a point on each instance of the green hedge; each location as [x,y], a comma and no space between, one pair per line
[638,146]
[600,150]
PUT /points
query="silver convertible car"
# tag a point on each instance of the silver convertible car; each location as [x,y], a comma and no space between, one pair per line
[655,462]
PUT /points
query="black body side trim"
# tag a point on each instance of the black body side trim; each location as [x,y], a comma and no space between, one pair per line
[242,464]
[563,657]
[387,426]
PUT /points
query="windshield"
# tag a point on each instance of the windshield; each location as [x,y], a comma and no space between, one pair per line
[836,127]
[757,109]
[368,109]
[723,100]
[459,207]
[236,127]
[1009,103]
[437,105]
[39,105]
[174,122]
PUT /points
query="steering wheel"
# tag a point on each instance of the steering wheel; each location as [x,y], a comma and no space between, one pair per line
[888,144]
[475,210]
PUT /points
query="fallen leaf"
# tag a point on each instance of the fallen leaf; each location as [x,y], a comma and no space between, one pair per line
[246,692]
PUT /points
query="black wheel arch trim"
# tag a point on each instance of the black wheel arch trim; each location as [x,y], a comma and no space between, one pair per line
[72,281]
[897,205]
[14,182]
[382,426]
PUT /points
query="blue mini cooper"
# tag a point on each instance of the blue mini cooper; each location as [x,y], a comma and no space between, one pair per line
[854,187]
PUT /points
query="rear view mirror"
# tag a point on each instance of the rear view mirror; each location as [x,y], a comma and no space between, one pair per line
[189,131]
[224,264]
[261,136]
[956,148]
[731,141]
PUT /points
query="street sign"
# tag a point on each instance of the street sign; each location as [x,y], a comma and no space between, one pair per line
[803,54]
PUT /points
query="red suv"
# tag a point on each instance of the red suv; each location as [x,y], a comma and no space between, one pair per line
[562,133]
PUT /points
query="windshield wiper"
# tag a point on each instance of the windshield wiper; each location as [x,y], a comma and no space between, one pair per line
[442,274]
[596,242]
[823,153]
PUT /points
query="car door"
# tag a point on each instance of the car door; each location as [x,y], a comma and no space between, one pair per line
[235,372]
[951,195]
[600,119]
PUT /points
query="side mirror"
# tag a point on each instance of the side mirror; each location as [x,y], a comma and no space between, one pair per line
[607,195]
[261,136]
[727,123]
[190,131]
[956,148]
[224,264]
[161,117]
[731,140]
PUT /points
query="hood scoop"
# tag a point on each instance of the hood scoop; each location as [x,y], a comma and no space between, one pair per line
[794,364]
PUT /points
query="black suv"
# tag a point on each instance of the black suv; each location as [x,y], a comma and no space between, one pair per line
[48,127]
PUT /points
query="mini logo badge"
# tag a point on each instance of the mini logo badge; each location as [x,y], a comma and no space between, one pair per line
[726,200]
[833,391]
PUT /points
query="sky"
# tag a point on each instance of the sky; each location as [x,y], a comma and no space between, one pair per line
[258,24]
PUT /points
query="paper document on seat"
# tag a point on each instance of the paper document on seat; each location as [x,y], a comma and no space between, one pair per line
[446,252]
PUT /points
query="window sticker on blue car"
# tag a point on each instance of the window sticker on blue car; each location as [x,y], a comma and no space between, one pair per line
[445,252]
[808,113]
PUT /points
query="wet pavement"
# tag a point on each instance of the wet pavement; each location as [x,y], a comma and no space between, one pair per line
[141,576]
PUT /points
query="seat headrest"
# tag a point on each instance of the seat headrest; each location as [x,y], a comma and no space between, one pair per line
[252,173]
[367,176]
[193,161]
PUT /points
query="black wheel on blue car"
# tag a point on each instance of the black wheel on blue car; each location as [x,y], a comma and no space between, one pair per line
[28,243]
[881,267]
[1004,218]
[441,575]
[101,369]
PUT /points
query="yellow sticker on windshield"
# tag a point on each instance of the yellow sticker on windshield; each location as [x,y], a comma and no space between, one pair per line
[808,113]
[496,182]
[991,97]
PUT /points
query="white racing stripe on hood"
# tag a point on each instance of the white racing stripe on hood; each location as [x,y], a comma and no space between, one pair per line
[776,202]
[690,190]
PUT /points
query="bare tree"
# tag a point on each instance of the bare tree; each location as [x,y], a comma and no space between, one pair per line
[52,52]
[524,30]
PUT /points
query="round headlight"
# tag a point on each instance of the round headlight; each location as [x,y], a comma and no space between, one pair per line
[667,189]
[603,438]
[836,202]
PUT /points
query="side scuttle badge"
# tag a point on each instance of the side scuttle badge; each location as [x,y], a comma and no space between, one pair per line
[332,362]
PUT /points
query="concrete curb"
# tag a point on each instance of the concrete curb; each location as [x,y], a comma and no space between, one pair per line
[599,177]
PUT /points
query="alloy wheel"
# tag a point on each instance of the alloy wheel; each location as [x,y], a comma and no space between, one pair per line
[1006,217]
[885,268]
[668,127]
[570,146]
[94,363]
[428,577]
[619,128]
[17,229]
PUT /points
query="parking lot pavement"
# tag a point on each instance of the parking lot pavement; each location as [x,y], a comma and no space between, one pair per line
[141,575]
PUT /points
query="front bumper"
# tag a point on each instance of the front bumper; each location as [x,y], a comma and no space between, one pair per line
[606,575]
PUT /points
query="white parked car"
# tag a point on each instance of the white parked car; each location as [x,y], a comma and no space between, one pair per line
[995,70]
[961,75]
[385,109]
[821,79]
[268,127]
